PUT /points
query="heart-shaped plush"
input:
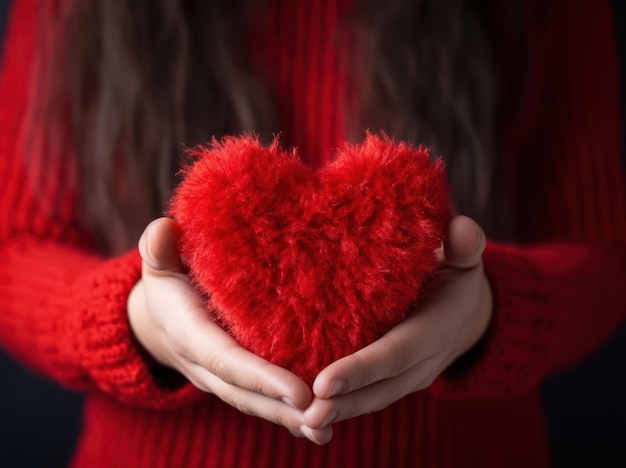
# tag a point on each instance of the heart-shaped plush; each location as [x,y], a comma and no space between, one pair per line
[305,266]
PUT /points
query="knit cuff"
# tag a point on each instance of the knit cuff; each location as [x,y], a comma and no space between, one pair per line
[512,356]
[109,352]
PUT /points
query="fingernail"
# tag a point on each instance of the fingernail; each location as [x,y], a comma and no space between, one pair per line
[480,238]
[145,242]
[331,417]
[288,402]
[143,248]
[337,388]
[295,434]
[307,432]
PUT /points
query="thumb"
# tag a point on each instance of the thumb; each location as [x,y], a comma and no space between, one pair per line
[158,246]
[465,243]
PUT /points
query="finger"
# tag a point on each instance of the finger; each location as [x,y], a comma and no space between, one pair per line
[465,243]
[192,338]
[201,342]
[372,398]
[158,245]
[272,410]
[259,405]
[320,436]
[389,356]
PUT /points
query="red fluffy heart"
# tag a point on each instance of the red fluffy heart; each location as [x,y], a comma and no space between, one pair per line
[306,266]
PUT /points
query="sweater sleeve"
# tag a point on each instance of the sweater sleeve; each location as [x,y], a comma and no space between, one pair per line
[62,307]
[553,304]
[561,296]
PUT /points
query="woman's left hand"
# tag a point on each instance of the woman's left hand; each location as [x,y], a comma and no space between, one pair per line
[453,314]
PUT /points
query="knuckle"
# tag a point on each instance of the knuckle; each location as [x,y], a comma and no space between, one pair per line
[280,418]
[398,359]
[422,385]
[427,375]
[241,404]
[428,381]
[255,385]
[381,405]
[218,365]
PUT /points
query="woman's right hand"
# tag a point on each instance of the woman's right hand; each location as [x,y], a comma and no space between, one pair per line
[171,322]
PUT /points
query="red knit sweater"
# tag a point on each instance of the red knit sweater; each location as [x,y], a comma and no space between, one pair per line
[62,309]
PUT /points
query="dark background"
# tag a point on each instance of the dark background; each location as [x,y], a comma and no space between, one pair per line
[586,407]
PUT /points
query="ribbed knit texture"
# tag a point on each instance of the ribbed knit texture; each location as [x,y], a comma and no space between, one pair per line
[62,308]
[300,48]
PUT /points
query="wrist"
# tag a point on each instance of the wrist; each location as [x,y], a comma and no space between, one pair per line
[485,311]
[162,373]
[472,350]
[141,325]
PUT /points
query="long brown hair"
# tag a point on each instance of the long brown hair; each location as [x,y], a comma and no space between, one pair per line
[119,80]
[431,78]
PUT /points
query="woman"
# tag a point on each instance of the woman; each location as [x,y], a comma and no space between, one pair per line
[521,106]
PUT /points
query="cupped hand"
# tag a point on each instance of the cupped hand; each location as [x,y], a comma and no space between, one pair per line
[453,313]
[171,322]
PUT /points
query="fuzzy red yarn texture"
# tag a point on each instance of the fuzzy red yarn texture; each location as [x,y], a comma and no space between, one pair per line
[305,266]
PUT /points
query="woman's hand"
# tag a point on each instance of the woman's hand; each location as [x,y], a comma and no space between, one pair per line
[170,320]
[452,315]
